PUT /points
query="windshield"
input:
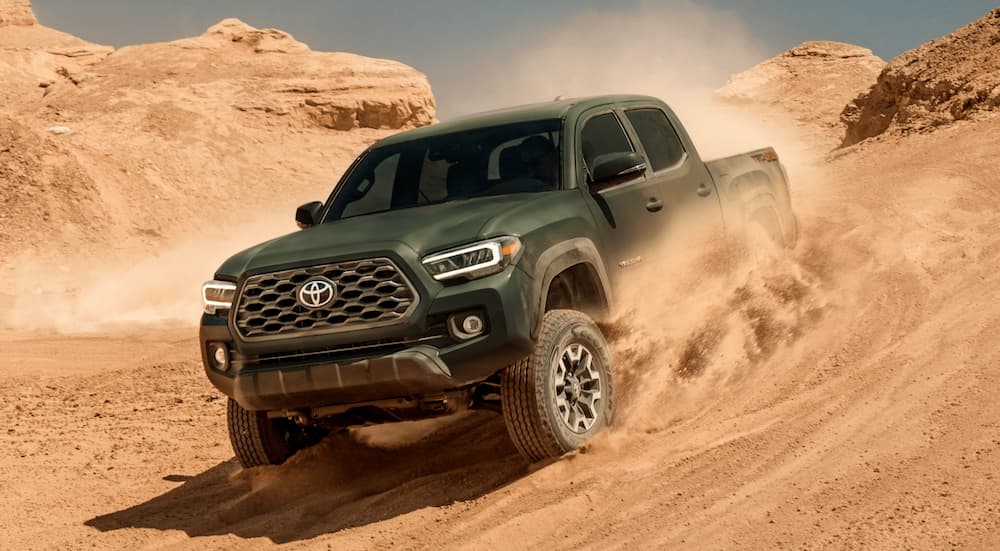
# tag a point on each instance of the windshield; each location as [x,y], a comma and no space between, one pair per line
[495,160]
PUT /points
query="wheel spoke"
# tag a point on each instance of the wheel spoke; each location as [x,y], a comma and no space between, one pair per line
[588,404]
[573,418]
[587,371]
[563,406]
[585,419]
[574,351]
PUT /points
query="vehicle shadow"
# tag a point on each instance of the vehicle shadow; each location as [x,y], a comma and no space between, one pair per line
[346,481]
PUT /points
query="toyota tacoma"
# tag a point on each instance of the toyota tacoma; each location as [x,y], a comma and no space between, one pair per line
[465,265]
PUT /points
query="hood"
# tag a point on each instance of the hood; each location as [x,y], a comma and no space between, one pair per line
[421,230]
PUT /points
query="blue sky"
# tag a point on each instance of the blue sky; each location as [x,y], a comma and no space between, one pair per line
[458,44]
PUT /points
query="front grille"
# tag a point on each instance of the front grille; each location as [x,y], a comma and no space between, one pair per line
[370,293]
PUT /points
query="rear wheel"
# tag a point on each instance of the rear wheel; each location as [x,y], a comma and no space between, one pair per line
[259,440]
[562,395]
[764,238]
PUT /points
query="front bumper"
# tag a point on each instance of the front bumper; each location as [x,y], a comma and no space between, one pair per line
[410,359]
[412,372]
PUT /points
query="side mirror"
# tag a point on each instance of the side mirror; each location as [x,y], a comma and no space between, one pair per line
[613,168]
[307,215]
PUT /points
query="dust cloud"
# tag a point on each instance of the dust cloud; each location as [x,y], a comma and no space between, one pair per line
[85,295]
[680,53]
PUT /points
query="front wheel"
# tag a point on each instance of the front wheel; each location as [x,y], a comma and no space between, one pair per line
[563,394]
[261,440]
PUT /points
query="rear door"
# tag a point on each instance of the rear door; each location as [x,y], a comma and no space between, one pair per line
[691,207]
[629,213]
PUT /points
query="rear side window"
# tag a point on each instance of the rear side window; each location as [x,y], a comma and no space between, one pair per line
[658,137]
[601,135]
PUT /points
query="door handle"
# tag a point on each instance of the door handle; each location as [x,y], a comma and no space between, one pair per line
[654,205]
[704,190]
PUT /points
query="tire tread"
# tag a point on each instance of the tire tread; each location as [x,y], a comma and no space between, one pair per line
[247,430]
[527,421]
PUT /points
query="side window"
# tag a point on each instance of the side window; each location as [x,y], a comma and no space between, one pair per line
[375,192]
[601,135]
[658,137]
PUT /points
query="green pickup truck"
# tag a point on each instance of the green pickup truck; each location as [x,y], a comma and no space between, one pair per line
[462,266]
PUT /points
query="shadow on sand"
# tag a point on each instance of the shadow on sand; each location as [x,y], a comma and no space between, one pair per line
[346,481]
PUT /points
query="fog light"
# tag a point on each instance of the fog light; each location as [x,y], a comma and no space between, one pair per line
[220,356]
[466,325]
[472,325]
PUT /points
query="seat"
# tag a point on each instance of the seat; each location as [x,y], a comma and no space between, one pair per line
[512,165]
[462,181]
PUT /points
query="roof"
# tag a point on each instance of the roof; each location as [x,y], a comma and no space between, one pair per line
[523,113]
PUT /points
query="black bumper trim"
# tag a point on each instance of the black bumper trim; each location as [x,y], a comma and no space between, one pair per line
[411,372]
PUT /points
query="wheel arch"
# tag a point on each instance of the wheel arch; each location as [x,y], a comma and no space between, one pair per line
[577,263]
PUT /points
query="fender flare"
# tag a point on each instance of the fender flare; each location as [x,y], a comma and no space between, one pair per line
[559,258]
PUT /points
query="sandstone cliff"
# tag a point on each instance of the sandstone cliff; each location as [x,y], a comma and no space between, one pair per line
[952,78]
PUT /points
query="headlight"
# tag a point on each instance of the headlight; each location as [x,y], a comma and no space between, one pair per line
[217,295]
[474,261]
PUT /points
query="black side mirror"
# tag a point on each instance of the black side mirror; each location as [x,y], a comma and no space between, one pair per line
[307,215]
[615,168]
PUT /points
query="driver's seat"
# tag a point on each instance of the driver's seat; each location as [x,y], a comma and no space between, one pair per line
[462,180]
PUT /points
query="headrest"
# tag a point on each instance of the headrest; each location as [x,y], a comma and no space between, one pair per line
[535,148]
[461,180]
[512,165]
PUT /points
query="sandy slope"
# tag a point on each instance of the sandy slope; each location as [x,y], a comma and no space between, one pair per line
[844,397]
[849,403]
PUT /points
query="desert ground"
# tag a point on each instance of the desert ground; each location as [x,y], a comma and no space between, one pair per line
[842,397]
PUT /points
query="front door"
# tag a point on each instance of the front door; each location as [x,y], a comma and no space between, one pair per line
[629,214]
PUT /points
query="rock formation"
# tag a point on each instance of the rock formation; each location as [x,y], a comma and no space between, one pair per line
[16,12]
[811,83]
[949,79]
[105,149]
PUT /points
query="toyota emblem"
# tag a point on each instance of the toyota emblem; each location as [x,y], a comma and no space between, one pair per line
[317,292]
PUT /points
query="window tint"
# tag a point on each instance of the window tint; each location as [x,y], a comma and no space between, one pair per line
[657,136]
[374,192]
[601,135]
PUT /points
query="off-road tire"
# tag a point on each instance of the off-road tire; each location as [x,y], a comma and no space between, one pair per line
[533,420]
[259,440]
[764,239]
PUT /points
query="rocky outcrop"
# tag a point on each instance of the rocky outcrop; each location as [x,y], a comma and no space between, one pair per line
[34,57]
[104,149]
[810,82]
[16,13]
[952,78]
[273,78]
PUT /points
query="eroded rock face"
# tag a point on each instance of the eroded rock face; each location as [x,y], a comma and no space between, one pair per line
[949,79]
[809,84]
[104,149]
[16,12]
[812,81]
[267,73]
